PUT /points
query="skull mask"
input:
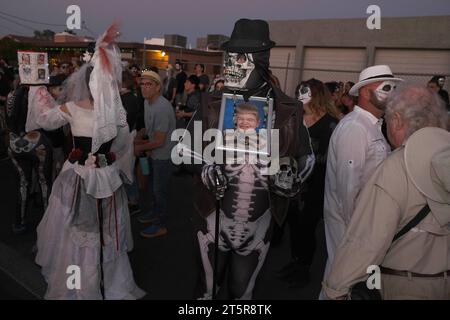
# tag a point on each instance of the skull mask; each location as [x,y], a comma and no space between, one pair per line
[237,69]
[25,143]
[384,90]
[285,180]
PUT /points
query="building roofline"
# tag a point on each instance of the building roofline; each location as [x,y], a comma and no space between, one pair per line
[356,19]
[122,45]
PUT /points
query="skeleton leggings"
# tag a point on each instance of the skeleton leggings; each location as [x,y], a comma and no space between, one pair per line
[245,221]
[27,152]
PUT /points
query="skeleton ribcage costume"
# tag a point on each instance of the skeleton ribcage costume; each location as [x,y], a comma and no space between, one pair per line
[27,151]
[245,202]
[244,222]
[248,205]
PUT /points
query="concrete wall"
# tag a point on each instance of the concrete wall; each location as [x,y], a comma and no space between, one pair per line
[405,32]
[409,32]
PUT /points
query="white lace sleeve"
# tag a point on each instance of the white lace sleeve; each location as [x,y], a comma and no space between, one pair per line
[43,112]
[123,148]
[52,119]
[109,114]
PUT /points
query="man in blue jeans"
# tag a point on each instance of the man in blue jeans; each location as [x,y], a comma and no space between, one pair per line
[159,118]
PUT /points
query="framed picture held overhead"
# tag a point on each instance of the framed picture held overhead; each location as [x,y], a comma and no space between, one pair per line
[33,67]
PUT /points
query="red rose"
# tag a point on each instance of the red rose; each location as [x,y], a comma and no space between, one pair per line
[111,157]
[75,155]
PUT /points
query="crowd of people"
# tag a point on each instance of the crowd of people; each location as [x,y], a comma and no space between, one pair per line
[372,159]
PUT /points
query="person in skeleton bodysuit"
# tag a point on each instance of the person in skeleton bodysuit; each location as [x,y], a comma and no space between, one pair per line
[249,198]
[29,149]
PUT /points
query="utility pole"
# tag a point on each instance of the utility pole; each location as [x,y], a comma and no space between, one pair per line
[144,55]
[287,70]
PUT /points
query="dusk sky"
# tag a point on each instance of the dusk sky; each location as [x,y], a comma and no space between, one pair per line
[194,18]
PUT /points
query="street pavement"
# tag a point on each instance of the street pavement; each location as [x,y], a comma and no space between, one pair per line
[167,267]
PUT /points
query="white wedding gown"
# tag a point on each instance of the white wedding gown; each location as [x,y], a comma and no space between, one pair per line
[68,234]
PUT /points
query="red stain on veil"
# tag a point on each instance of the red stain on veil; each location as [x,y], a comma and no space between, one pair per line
[108,38]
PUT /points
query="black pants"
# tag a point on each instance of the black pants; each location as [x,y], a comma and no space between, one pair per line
[25,162]
[302,227]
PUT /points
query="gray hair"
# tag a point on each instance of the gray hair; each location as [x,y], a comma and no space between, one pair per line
[418,106]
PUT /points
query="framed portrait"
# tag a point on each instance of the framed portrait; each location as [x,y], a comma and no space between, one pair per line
[33,67]
[41,59]
[245,126]
[41,74]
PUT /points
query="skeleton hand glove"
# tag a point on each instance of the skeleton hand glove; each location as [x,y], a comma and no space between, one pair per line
[306,167]
[214,179]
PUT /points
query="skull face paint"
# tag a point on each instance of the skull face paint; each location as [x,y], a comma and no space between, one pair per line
[237,69]
[384,90]
[304,94]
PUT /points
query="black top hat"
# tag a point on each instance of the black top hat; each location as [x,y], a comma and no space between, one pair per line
[249,36]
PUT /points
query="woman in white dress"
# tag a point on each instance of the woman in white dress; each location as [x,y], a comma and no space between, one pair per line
[80,259]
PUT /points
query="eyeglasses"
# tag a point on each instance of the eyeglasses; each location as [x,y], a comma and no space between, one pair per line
[146,84]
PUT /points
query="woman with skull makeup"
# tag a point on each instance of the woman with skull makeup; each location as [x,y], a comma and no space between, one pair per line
[251,201]
[320,117]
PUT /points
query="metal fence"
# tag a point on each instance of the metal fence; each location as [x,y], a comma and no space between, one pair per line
[289,76]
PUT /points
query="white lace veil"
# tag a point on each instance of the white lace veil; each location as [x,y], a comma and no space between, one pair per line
[104,82]
[75,88]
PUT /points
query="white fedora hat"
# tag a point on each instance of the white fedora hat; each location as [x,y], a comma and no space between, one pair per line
[427,161]
[371,75]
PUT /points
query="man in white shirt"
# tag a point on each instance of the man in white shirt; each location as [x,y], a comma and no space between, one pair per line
[356,148]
